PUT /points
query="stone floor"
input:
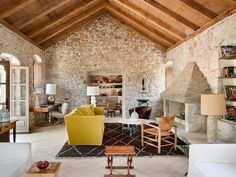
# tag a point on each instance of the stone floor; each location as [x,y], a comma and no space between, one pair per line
[47,141]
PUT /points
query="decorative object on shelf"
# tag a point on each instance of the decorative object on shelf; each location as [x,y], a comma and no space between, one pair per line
[4,114]
[50,91]
[42,164]
[228,50]
[231,113]
[93,91]
[143,87]
[212,105]
[134,115]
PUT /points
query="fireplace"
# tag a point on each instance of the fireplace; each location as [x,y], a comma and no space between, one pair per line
[182,98]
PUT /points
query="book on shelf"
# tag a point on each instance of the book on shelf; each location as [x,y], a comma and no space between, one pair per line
[229,71]
[230,93]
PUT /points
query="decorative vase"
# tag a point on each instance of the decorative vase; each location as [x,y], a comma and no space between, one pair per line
[134,115]
[4,114]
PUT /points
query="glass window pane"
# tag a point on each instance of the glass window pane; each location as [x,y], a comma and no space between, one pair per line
[2,74]
[18,76]
[18,92]
[18,108]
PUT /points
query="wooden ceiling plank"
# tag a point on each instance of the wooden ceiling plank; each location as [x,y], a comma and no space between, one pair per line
[219,18]
[165,26]
[39,13]
[164,37]
[80,7]
[11,8]
[13,29]
[199,8]
[64,34]
[137,27]
[67,24]
[172,14]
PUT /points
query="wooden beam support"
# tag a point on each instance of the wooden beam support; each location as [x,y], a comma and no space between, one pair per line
[53,5]
[136,26]
[13,29]
[157,21]
[166,39]
[64,34]
[80,7]
[219,18]
[199,8]
[172,14]
[13,7]
[53,32]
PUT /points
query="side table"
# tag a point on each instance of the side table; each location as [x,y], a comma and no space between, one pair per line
[51,171]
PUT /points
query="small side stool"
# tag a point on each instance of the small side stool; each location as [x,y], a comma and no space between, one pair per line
[110,151]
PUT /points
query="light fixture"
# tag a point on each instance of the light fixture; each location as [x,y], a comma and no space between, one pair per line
[50,91]
[212,105]
[92,91]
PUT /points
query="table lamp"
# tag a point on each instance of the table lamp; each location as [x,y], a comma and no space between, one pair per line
[50,91]
[212,105]
[92,91]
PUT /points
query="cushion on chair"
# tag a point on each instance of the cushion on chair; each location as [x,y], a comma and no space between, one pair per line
[85,111]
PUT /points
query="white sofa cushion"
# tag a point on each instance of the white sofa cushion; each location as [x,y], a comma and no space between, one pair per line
[214,170]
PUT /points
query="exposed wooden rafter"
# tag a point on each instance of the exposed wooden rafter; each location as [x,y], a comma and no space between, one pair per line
[38,14]
[219,18]
[172,14]
[64,34]
[199,8]
[163,37]
[80,7]
[136,26]
[155,20]
[11,28]
[53,32]
[14,7]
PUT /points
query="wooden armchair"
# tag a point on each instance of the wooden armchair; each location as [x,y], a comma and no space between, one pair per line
[156,135]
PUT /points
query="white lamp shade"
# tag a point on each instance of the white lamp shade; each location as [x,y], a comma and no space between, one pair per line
[93,91]
[213,104]
[50,89]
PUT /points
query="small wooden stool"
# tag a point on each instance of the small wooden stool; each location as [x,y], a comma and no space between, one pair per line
[51,171]
[110,151]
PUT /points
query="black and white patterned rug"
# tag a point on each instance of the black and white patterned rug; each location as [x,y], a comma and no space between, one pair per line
[113,135]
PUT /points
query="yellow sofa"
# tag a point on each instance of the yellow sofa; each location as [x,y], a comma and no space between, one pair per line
[85,125]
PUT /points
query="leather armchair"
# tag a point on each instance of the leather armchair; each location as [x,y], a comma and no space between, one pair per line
[144,112]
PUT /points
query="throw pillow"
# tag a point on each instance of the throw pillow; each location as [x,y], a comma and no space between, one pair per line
[85,111]
[90,106]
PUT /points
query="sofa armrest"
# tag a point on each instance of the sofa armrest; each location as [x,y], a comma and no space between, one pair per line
[98,110]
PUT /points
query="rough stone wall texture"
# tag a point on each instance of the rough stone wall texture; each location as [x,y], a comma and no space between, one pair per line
[204,50]
[24,51]
[106,45]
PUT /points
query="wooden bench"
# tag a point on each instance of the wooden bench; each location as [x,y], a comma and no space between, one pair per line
[128,151]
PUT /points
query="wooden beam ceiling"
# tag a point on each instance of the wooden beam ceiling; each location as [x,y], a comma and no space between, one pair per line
[136,26]
[53,5]
[163,37]
[219,18]
[78,8]
[199,8]
[14,7]
[64,34]
[36,21]
[11,28]
[53,32]
[161,24]
[172,14]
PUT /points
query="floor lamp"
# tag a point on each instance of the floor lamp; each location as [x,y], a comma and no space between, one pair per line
[93,91]
[212,105]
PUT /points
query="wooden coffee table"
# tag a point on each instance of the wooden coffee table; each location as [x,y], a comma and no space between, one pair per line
[110,151]
[51,171]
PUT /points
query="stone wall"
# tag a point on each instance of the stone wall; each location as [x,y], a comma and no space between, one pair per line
[204,50]
[24,51]
[106,45]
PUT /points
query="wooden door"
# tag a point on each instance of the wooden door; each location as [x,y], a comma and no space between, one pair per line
[4,83]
